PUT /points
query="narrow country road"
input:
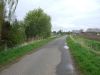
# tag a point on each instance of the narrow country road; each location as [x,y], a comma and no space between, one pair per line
[51,59]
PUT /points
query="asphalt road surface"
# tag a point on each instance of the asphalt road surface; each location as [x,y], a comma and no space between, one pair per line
[52,59]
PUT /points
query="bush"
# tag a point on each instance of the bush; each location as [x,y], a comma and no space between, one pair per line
[16,35]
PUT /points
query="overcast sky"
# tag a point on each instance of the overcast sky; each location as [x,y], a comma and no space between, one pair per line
[65,14]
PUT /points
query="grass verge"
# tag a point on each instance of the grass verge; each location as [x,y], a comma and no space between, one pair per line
[88,62]
[12,54]
[92,44]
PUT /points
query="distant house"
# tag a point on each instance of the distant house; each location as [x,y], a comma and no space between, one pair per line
[96,30]
[77,31]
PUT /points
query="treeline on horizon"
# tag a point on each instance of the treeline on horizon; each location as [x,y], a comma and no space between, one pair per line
[36,25]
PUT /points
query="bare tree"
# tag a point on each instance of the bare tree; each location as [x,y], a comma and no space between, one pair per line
[10,6]
[7,10]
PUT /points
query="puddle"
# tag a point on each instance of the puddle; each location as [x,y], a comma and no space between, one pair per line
[66,47]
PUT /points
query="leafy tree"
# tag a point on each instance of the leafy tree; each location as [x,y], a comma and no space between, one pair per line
[38,24]
[60,32]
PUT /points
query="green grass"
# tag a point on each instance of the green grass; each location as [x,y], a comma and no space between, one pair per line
[95,45]
[92,44]
[88,62]
[12,54]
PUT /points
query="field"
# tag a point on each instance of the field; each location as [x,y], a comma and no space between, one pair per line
[92,36]
[86,54]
